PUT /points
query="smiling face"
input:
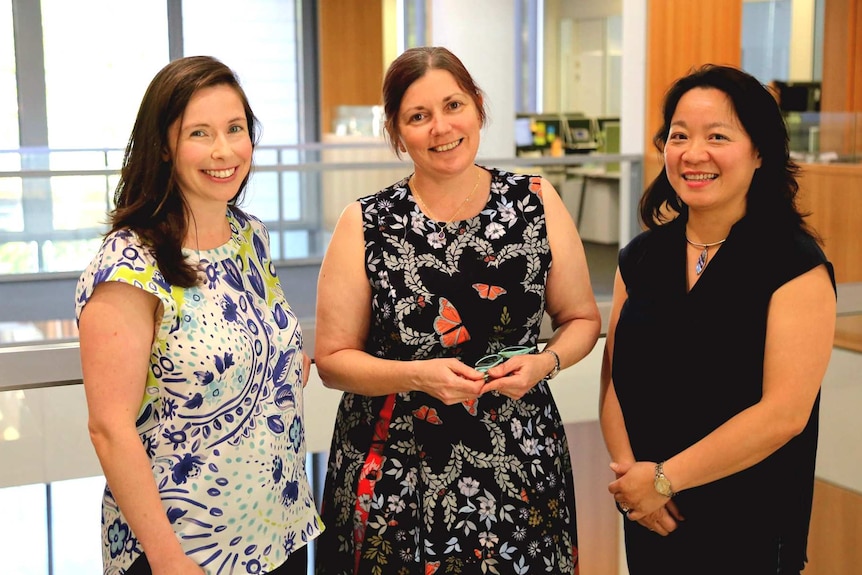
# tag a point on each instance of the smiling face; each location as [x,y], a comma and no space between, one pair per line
[439,124]
[212,148]
[709,158]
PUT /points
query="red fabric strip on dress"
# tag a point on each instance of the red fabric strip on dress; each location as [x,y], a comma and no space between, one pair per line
[369,475]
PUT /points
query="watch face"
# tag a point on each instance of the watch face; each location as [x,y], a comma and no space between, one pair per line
[662,485]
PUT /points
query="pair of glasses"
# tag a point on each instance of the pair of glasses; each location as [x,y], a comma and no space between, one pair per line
[489,361]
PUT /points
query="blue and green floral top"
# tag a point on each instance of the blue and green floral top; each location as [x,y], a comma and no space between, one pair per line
[221,418]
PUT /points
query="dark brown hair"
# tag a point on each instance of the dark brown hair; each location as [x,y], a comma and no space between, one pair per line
[148,198]
[772,194]
[412,65]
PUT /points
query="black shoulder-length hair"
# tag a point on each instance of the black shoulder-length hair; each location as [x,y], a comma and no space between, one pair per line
[772,194]
[148,198]
[411,65]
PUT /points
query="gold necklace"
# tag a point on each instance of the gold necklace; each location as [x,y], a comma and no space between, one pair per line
[704,255]
[441,230]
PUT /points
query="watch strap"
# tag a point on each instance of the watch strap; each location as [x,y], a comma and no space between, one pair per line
[556,369]
[662,483]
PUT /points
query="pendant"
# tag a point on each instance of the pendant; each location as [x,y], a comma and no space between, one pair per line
[441,235]
[701,261]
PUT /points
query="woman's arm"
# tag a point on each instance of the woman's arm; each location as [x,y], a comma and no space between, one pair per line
[116,328]
[799,337]
[610,414]
[569,302]
[343,321]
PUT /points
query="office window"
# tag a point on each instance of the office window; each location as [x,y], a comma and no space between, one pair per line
[8,91]
[95,75]
[76,525]
[766,39]
[96,70]
[259,42]
[24,530]
[11,217]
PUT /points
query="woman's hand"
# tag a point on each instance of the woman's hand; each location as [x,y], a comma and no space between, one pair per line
[449,380]
[518,374]
[663,521]
[634,489]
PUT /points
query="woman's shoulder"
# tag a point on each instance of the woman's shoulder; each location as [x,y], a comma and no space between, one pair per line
[123,245]
[396,190]
[123,257]
[647,239]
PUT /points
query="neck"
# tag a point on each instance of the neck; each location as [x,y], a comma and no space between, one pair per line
[206,231]
[432,186]
[706,231]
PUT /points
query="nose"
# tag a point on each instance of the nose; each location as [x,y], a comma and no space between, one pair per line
[221,146]
[439,124]
[696,151]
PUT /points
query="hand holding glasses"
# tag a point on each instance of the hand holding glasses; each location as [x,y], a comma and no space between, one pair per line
[487,362]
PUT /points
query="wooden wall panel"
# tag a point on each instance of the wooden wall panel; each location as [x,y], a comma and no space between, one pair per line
[842,73]
[682,34]
[836,531]
[833,196]
[842,56]
[351,55]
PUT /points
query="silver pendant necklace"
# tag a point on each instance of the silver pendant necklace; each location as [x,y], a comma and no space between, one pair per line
[441,230]
[704,254]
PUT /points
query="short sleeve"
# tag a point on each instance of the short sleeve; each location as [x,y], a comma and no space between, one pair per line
[122,258]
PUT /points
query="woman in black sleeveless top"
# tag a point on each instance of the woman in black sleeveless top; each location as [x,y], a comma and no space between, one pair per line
[720,333]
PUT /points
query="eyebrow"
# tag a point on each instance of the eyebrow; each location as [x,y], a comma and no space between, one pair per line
[207,125]
[448,98]
[709,126]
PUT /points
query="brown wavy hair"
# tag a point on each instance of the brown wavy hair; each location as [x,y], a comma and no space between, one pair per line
[148,198]
[412,65]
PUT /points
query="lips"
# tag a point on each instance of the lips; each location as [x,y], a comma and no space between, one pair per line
[221,174]
[447,147]
[699,177]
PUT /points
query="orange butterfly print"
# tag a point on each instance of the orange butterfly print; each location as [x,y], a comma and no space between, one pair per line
[536,185]
[431,567]
[428,414]
[448,325]
[470,405]
[488,291]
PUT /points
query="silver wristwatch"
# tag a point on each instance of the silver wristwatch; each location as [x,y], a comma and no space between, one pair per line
[662,483]
[556,369]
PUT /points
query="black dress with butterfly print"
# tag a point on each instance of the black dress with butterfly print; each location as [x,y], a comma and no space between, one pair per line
[479,487]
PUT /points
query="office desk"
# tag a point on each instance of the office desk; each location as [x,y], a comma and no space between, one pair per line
[604,186]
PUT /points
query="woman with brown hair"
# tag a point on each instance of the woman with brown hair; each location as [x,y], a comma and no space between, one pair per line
[192,359]
[448,452]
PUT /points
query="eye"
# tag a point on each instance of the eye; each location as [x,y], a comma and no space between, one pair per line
[454,105]
[417,117]
[719,137]
[197,134]
[676,136]
[236,129]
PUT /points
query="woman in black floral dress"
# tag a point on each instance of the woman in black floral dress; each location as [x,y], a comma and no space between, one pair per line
[449,454]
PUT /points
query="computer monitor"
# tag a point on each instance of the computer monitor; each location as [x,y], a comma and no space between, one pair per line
[523,132]
[798,96]
[579,133]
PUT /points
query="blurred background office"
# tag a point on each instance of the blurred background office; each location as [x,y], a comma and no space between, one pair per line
[574,89]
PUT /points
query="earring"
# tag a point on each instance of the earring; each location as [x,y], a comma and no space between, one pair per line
[402,148]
